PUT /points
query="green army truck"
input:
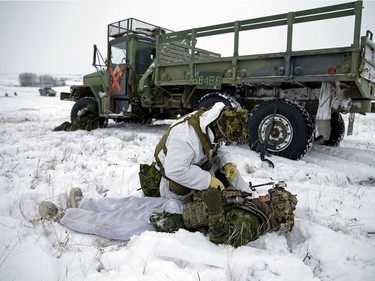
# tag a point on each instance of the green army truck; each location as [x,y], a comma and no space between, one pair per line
[293,97]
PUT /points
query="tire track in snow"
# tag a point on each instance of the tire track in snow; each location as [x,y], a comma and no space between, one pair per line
[357,164]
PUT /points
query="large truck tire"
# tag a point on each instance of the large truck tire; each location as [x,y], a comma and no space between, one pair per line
[282,127]
[207,101]
[337,130]
[80,105]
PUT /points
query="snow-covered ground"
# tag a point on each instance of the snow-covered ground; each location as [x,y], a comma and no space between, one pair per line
[333,238]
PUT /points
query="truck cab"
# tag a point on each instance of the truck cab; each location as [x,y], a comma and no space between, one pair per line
[113,87]
[131,50]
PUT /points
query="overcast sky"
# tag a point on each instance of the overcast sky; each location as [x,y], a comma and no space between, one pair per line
[52,37]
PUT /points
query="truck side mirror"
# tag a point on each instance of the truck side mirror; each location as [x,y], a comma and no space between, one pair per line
[369,34]
[94,57]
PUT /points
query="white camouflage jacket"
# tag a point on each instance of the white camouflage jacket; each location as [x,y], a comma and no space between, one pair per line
[185,155]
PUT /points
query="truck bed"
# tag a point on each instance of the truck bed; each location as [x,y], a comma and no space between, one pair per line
[180,62]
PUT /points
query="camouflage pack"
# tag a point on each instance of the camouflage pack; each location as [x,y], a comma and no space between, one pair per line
[149,178]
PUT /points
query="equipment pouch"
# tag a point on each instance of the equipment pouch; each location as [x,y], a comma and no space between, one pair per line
[233,196]
[178,188]
[149,178]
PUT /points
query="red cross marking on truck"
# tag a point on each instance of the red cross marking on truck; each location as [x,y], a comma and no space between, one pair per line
[115,75]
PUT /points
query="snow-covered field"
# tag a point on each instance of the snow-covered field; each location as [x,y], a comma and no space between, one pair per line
[333,238]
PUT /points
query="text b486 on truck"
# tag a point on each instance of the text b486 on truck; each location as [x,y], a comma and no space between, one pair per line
[293,96]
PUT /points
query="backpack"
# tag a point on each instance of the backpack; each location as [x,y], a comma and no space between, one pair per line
[149,178]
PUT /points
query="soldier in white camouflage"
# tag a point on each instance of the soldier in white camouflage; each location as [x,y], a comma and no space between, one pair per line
[190,156]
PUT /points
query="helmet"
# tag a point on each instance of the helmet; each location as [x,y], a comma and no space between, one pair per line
[232,124]
[283,203]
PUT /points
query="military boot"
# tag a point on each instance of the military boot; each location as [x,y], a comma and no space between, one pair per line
[75,196]
[166,222]
[48,210]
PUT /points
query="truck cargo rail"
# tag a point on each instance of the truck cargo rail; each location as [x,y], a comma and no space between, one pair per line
[331,64]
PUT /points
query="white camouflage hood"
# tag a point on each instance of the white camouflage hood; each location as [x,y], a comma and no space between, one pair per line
[211,115]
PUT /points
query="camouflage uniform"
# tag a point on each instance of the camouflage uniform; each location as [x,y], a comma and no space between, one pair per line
[240,222]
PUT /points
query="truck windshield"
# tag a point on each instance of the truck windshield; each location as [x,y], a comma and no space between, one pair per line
[118,51]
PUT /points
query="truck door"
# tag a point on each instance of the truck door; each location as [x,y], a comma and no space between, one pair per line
[117,67]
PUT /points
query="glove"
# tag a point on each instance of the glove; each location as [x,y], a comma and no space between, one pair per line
[216,183]
[230,171]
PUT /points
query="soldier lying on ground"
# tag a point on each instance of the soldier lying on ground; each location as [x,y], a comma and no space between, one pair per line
[235,220]
[242,219]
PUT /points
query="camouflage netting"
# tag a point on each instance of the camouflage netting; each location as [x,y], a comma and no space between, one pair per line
[88,120]
[233,123]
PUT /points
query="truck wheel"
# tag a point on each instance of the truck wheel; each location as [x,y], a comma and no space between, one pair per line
[283,126]
[210,99]
[80,105]
[337,130]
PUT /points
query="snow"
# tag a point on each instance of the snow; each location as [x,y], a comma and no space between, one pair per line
[333,238]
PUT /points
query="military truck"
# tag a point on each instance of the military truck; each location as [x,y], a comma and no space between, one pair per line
[293,97]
